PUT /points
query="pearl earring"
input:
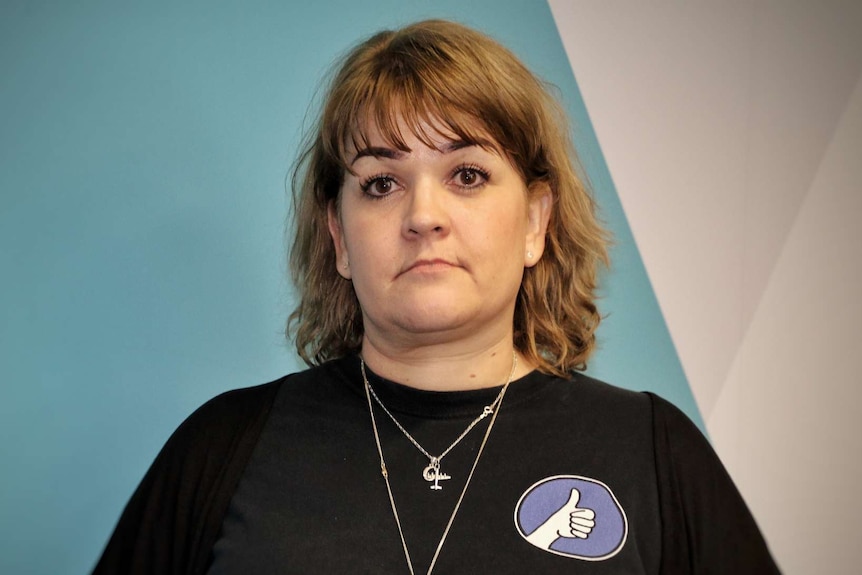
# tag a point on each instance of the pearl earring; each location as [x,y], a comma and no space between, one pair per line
[529,255]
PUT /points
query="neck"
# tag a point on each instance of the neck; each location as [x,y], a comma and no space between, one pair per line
[436,368]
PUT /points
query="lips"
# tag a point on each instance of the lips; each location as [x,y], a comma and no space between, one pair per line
[428,265]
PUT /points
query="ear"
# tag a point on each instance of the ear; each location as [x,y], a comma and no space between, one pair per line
[538,215]
[333,222]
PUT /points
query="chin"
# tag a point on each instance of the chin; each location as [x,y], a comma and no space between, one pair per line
[432,318]
[429,323]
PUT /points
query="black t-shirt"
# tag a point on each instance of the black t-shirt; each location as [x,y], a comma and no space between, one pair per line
[284,478]
[312,499]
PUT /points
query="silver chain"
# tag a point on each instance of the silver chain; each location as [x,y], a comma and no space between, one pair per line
[435,461]
[385,472]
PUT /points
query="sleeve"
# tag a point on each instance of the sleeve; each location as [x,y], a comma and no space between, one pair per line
[173,519]
[706,526]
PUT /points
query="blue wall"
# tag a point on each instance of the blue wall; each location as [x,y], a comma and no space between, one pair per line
[143,156]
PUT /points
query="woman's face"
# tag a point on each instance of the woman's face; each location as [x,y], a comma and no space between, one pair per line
[435,240]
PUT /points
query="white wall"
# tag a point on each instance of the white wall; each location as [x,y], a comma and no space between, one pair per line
[733,133]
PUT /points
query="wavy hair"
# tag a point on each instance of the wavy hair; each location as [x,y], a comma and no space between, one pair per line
[446,75]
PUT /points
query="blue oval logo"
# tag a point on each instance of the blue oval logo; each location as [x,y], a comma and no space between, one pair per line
[572,516]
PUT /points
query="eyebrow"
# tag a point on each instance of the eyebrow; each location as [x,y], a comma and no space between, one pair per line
[377,152]
[389,153]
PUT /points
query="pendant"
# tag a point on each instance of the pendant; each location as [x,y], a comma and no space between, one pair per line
[432,473]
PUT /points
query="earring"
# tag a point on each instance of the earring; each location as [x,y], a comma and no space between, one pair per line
[346,266]
[529,255]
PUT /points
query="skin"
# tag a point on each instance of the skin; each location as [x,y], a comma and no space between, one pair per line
[435,241]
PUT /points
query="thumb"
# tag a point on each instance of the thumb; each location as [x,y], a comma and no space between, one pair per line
[574,497]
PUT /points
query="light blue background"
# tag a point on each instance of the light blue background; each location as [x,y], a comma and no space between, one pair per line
[143,155]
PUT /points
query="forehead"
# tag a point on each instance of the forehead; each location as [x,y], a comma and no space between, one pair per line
[401,133]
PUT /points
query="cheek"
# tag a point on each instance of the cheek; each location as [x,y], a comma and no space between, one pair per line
[503,232]
[358,230]
[370,247]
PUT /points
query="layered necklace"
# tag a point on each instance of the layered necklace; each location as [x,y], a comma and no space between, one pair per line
[432,470]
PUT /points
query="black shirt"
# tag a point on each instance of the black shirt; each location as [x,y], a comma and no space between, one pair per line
[285,478]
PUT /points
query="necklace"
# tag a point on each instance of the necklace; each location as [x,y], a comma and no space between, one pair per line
[385,472]
[432,471]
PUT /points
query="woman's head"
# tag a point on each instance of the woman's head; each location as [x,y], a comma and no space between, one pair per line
[419,83]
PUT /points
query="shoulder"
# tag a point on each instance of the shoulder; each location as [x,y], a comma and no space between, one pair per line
[598,405]
[674,436]
[237,411]
[605,414]
[644,407]
[181,499]
[230,411]
[604,393]
[674,430]
[702,510]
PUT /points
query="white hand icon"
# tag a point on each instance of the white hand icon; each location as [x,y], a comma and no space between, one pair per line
[568,521]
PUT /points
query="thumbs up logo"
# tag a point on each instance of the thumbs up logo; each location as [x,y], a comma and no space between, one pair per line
[572,516]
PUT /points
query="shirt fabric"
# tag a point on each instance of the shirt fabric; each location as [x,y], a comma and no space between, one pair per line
[285,478]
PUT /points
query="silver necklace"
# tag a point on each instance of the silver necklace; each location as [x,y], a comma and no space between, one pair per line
[432,471]
[385,472]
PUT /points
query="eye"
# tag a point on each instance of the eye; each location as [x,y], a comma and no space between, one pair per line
[378,186]
[469,177]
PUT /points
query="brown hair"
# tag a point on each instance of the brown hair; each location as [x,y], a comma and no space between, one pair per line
[443,74]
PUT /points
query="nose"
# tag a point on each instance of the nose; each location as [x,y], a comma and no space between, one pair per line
[426,210]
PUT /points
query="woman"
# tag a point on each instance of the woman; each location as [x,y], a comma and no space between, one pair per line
[445,255]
